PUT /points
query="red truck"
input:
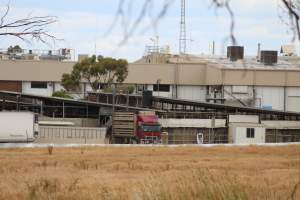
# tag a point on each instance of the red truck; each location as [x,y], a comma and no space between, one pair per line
[132,128]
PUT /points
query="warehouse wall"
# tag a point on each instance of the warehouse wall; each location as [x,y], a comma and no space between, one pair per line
[293,99]
[270,97]
[197,93]
[14,86]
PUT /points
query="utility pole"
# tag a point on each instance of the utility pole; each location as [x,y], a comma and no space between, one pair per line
[182,35]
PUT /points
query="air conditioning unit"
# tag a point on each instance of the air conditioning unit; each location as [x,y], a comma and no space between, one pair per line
[269,57]
[235,53]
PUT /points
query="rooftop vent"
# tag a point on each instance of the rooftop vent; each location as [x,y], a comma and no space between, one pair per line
[269,57]
[235,53]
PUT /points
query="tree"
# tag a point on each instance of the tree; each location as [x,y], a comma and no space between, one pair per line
[96,71]
[30,27]
[15,49]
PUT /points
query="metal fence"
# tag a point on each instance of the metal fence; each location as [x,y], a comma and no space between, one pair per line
[76,135]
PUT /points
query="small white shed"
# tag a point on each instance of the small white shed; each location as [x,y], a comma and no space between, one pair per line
[246,133]
[246,129]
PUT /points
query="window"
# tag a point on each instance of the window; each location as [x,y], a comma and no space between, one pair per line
[42,85]
[161,88]
[102,86]
[250,132]
[140,88]
[151,128]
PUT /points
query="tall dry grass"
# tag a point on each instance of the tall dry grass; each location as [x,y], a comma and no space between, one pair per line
[151,173]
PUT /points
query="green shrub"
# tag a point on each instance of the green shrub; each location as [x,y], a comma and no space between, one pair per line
[62,94]
[130,89]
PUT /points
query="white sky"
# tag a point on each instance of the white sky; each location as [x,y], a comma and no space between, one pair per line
[83,23]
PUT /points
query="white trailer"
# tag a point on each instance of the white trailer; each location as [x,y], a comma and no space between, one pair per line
[18,126]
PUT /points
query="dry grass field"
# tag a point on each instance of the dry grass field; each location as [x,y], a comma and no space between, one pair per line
[151,173]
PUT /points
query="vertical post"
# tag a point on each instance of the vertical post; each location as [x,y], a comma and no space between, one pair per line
[84,90]
[114,95]
[284,99]
[3,104]
[63,109]
[98,98]
[158,82]
[127,100]
[18,103]
[209,136]
[42,108]
[99,116]
[87,111]
[53,87]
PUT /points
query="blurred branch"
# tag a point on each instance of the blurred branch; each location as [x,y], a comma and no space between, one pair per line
[123,17]
[226,4]
[293,8]
[34,27]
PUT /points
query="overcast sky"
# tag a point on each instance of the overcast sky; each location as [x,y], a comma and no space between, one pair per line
[82,25]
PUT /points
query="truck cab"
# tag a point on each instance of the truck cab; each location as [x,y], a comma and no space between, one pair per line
[149,129]
[130,127]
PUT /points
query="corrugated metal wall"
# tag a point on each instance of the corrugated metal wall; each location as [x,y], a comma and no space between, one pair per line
[197,93]
[71,135]
[270,97]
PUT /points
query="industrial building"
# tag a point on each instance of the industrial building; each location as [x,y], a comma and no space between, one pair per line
[250,86]
[246,81]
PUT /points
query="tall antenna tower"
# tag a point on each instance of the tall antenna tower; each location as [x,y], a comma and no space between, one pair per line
[182,35]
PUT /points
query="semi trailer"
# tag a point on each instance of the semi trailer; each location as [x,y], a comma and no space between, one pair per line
[132,128]
[18,126]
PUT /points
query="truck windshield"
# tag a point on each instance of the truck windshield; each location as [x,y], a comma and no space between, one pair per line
[151,128]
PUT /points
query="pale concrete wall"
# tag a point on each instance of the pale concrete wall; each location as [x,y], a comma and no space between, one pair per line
[150,73]
[214,75]
[237,77]
[270,78]
[201,73]
[192,123]
[281,124]
[32,70]
[243,119]
[191,74]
